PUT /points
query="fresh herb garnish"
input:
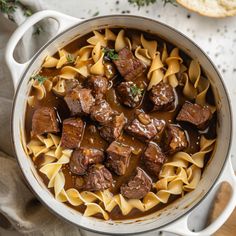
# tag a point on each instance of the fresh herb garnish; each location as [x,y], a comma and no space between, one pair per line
[70,58]
[39,78]
[38,30]
[110,54]
[136,91]
[8,7]
[141,3]
[96,13]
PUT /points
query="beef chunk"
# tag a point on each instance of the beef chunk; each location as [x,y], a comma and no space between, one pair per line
[162,96]
[154,158]
[44,121]
[79,101]
[128,66]
[118,157]
[176,139]
[111,130]
[195,114]
[145,128]
[129,94]
[138,186]
[70,84]
[83,157]
[72,132]
[98,178]
[101,111]
[98,84]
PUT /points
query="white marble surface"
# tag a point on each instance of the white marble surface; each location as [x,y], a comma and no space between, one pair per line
[216,36]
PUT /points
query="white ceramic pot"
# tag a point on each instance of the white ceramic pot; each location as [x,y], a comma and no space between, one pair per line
[174,217]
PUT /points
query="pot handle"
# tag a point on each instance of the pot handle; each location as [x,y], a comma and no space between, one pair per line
[16,69]
[181,226]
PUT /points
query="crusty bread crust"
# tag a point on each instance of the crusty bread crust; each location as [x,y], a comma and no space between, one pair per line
[211,8]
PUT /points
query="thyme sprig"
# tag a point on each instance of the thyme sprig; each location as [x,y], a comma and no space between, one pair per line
[41,79]
[136,91]
[110,54]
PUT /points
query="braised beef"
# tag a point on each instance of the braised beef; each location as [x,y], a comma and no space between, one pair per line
[129,94]
[98,84]
[118,157]
[176,139]
[98,178]
[111,130]
[128,66]
[70,84]
[145,128]
[154,158]
[138,186]
[195,114]
[79,101]
[110,70]
[72,133]
[44,121]
[162,96]
[83,157]
[101,111]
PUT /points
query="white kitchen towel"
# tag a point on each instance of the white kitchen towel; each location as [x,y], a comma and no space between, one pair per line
[19,209]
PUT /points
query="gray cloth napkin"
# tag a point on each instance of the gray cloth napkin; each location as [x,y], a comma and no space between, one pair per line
[19,209]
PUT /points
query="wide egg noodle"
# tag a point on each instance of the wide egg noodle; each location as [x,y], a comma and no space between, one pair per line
[50,62]
[189,90]
[164,54]
[98,37]
[60,87]
[173,62]
[151,46]
[196,86]
[70,72]
[142,55]
[109,35]
[98,67]
[155,73]
[122,41]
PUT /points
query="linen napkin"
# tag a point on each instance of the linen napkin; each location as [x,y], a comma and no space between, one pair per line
[20,211]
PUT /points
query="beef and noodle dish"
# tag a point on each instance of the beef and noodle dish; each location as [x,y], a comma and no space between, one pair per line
[120,123]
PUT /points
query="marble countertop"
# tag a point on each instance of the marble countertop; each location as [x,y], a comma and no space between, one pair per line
[217,37]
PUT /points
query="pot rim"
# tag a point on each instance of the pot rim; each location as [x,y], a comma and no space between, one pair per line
[129,16]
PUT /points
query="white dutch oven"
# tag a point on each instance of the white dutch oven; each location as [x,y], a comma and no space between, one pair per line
[175,216]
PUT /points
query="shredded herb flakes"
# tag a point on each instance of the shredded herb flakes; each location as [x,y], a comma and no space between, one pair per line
[110,54]
[142,3]
[41,79]
[70,58]
[136,91]
[96,13]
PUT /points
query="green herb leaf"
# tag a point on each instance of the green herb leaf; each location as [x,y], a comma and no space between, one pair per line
[96,13]
[7,6]
[41,79]
[142,3]
[136,91]
[38,30]
[28,12]
[110,53]
[70,58]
